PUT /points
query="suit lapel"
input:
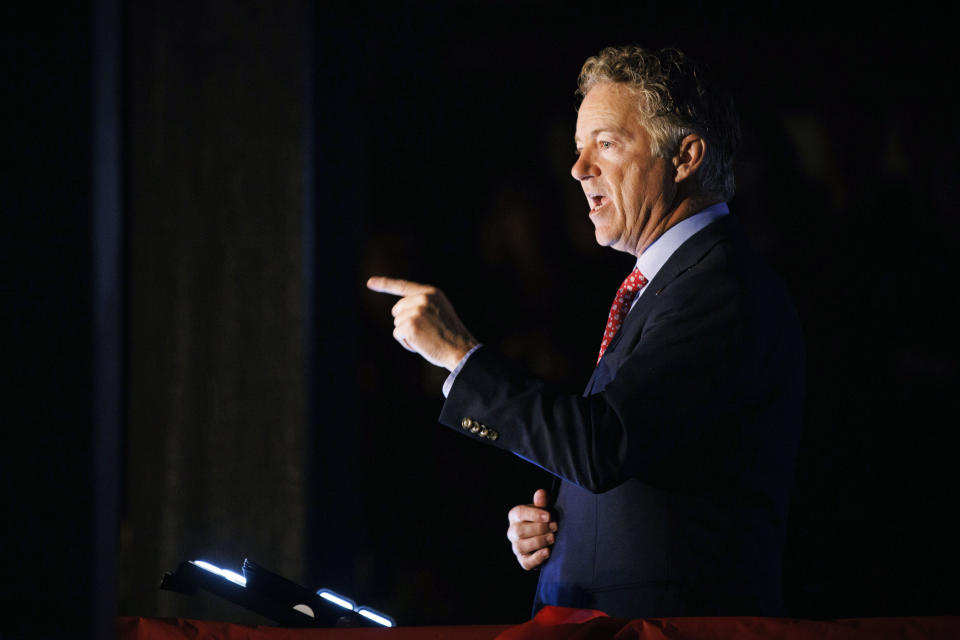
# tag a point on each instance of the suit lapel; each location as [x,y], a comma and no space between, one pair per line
[686,256]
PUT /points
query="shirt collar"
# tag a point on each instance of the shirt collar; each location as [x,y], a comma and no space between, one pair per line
[657,254]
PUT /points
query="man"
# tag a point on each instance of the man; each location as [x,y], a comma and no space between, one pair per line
[675,465]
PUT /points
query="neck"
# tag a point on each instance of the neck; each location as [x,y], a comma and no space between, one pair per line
[684,209]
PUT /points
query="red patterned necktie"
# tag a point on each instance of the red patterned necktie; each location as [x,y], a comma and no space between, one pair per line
[621,305]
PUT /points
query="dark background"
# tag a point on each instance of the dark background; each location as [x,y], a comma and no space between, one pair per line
[196,193]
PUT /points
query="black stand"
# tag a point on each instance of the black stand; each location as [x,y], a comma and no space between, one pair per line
[265,593]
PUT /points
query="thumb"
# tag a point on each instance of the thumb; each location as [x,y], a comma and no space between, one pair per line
[540,498]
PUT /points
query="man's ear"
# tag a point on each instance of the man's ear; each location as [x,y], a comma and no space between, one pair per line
[689,157]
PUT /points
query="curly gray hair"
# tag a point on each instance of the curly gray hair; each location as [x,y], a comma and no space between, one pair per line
[677,98]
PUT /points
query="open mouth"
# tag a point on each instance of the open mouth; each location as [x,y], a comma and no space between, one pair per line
[596,201]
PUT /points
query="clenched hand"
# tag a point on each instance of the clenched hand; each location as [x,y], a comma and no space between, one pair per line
[531,531]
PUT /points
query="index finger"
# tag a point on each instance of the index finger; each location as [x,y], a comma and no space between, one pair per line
[528,513]
[395,286]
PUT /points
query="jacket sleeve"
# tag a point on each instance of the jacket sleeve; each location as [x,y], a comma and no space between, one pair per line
[694,365]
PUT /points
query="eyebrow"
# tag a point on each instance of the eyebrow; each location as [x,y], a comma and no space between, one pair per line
[620,131]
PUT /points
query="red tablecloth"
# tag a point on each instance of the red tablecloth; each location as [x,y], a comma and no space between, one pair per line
[180,629]
[558,623]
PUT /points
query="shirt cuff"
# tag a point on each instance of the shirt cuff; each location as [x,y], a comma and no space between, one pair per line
[448,383]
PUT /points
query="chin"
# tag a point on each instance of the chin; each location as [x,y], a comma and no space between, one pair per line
[604,237]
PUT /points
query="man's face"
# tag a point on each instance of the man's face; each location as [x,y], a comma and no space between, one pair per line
[630,191]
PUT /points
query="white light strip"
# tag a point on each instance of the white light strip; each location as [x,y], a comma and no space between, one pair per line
[346,603]
[232,576]
[376,617]
[336,599]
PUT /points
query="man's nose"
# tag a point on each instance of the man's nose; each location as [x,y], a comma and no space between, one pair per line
[583,168]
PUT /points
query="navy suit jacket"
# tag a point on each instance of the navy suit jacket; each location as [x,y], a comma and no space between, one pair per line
[677,462]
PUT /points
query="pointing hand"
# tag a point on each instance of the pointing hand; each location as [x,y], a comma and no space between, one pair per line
[424,321]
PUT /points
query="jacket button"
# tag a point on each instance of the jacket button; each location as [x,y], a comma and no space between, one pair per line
[475,428]
[483,431]
[493,435]
[466,423]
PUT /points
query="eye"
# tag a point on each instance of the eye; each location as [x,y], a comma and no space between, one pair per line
[605,144]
